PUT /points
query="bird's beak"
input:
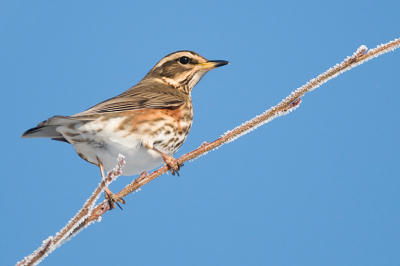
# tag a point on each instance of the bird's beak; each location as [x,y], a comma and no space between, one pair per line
[213,64]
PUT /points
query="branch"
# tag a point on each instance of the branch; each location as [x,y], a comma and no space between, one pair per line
[76,224]
[88,214]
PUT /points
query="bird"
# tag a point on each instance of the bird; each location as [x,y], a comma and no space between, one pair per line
[147,124]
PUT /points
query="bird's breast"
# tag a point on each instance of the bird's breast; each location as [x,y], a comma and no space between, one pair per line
[166,129]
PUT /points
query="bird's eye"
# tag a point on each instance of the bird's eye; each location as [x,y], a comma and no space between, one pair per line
[184,60]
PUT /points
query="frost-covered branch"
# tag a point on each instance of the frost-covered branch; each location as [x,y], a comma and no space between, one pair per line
[78,223]
[88,214]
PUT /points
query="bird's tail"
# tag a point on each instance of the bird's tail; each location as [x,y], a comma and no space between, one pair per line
[47,129]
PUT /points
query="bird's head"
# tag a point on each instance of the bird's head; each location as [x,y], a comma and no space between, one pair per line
[182,69]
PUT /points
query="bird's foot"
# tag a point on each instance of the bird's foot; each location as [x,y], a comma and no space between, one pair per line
[170,161]
[112,199]
[172,164]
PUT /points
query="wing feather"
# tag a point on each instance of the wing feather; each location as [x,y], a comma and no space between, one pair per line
[147,95]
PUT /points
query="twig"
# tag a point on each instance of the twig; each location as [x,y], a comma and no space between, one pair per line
[290,103]
[76,224]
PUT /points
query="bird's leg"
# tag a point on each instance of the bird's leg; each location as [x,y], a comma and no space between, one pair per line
[170,161]
[110,197]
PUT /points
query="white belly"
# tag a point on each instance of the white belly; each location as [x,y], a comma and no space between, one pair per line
[138,158]
[97,139]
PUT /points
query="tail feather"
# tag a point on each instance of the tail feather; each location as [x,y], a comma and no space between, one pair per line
[58,120]
[42,132]
[47,129]
[62,139]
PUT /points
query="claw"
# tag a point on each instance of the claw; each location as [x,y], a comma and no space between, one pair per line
[110,197]
[178,167]
[170,161]
[173,166]
[112,200]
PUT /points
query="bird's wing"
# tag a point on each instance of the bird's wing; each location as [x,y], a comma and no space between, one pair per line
[141,96]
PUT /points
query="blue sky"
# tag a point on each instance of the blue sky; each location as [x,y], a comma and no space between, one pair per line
[317,187]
